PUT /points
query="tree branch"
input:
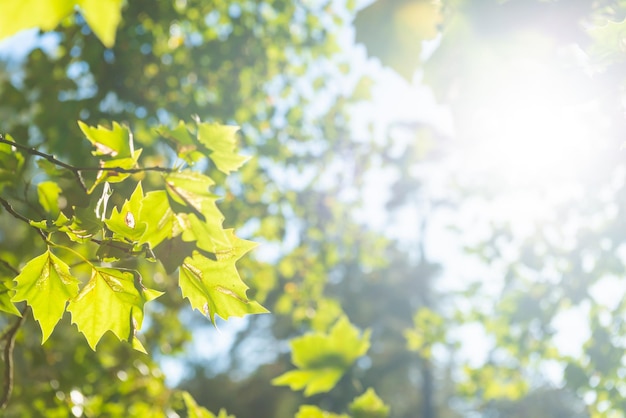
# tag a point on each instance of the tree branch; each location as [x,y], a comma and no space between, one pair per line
[21,217]
[8,358]
[77,171]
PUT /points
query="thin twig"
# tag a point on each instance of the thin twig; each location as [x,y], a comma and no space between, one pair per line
[8,359]
[75,169]
[21,217]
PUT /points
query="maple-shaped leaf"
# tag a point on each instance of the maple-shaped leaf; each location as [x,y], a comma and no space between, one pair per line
[127,223]
[221,141]
[112,300]
[190,188]
[196,411]
[369,405]
[214,287]
[46,284]
[5,298]
[183,142]
[323,358]
[115,142]
[161,221]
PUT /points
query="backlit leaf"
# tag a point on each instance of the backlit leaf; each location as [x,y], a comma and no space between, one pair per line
[103,17]
[115,142]
[5,299]
[323,358]
[214,287]
[46,284]
[112,300]
[161,221]
[369,405]
[221,140]
[196,411]
[127,222]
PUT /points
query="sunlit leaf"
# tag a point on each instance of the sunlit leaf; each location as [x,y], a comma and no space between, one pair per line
[103,17]
[196,411]
[161,222]
[183,142]
[46,284]
[214,287]
[312,411]
[323,358]
[127,222]
[221,140]
[19,15]
[112,300]
[115,142]
[369,405]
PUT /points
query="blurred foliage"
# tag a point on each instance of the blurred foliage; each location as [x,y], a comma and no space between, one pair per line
[279,70]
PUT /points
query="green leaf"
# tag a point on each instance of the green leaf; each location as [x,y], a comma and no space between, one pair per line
[311,411]
[46,284]
[48,192]
[183,142]
[369,405]
[114,142]
[26,14]
[112,175]
[324,358]
[11,162]
[5,298]
[214,287]
[191,189]
[160,220]
[221,141]
[196,411]
[103,17]
[127,223]
[112,300]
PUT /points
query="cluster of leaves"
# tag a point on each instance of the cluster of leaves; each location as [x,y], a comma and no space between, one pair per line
[178,224]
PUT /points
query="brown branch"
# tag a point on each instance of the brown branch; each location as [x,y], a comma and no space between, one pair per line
[8,358]
[77,171]
[21,217]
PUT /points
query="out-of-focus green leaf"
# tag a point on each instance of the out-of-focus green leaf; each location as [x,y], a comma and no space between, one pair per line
[48,192]
[5,299]
[103,17]
[323,358]
[113,301]
[46,284]
[312,411]
[11,162]
[19,15]
[196,411]
[369,405]
[221,140]
[214,287]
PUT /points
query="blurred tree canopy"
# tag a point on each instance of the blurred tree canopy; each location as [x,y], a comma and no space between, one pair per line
[361,325]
